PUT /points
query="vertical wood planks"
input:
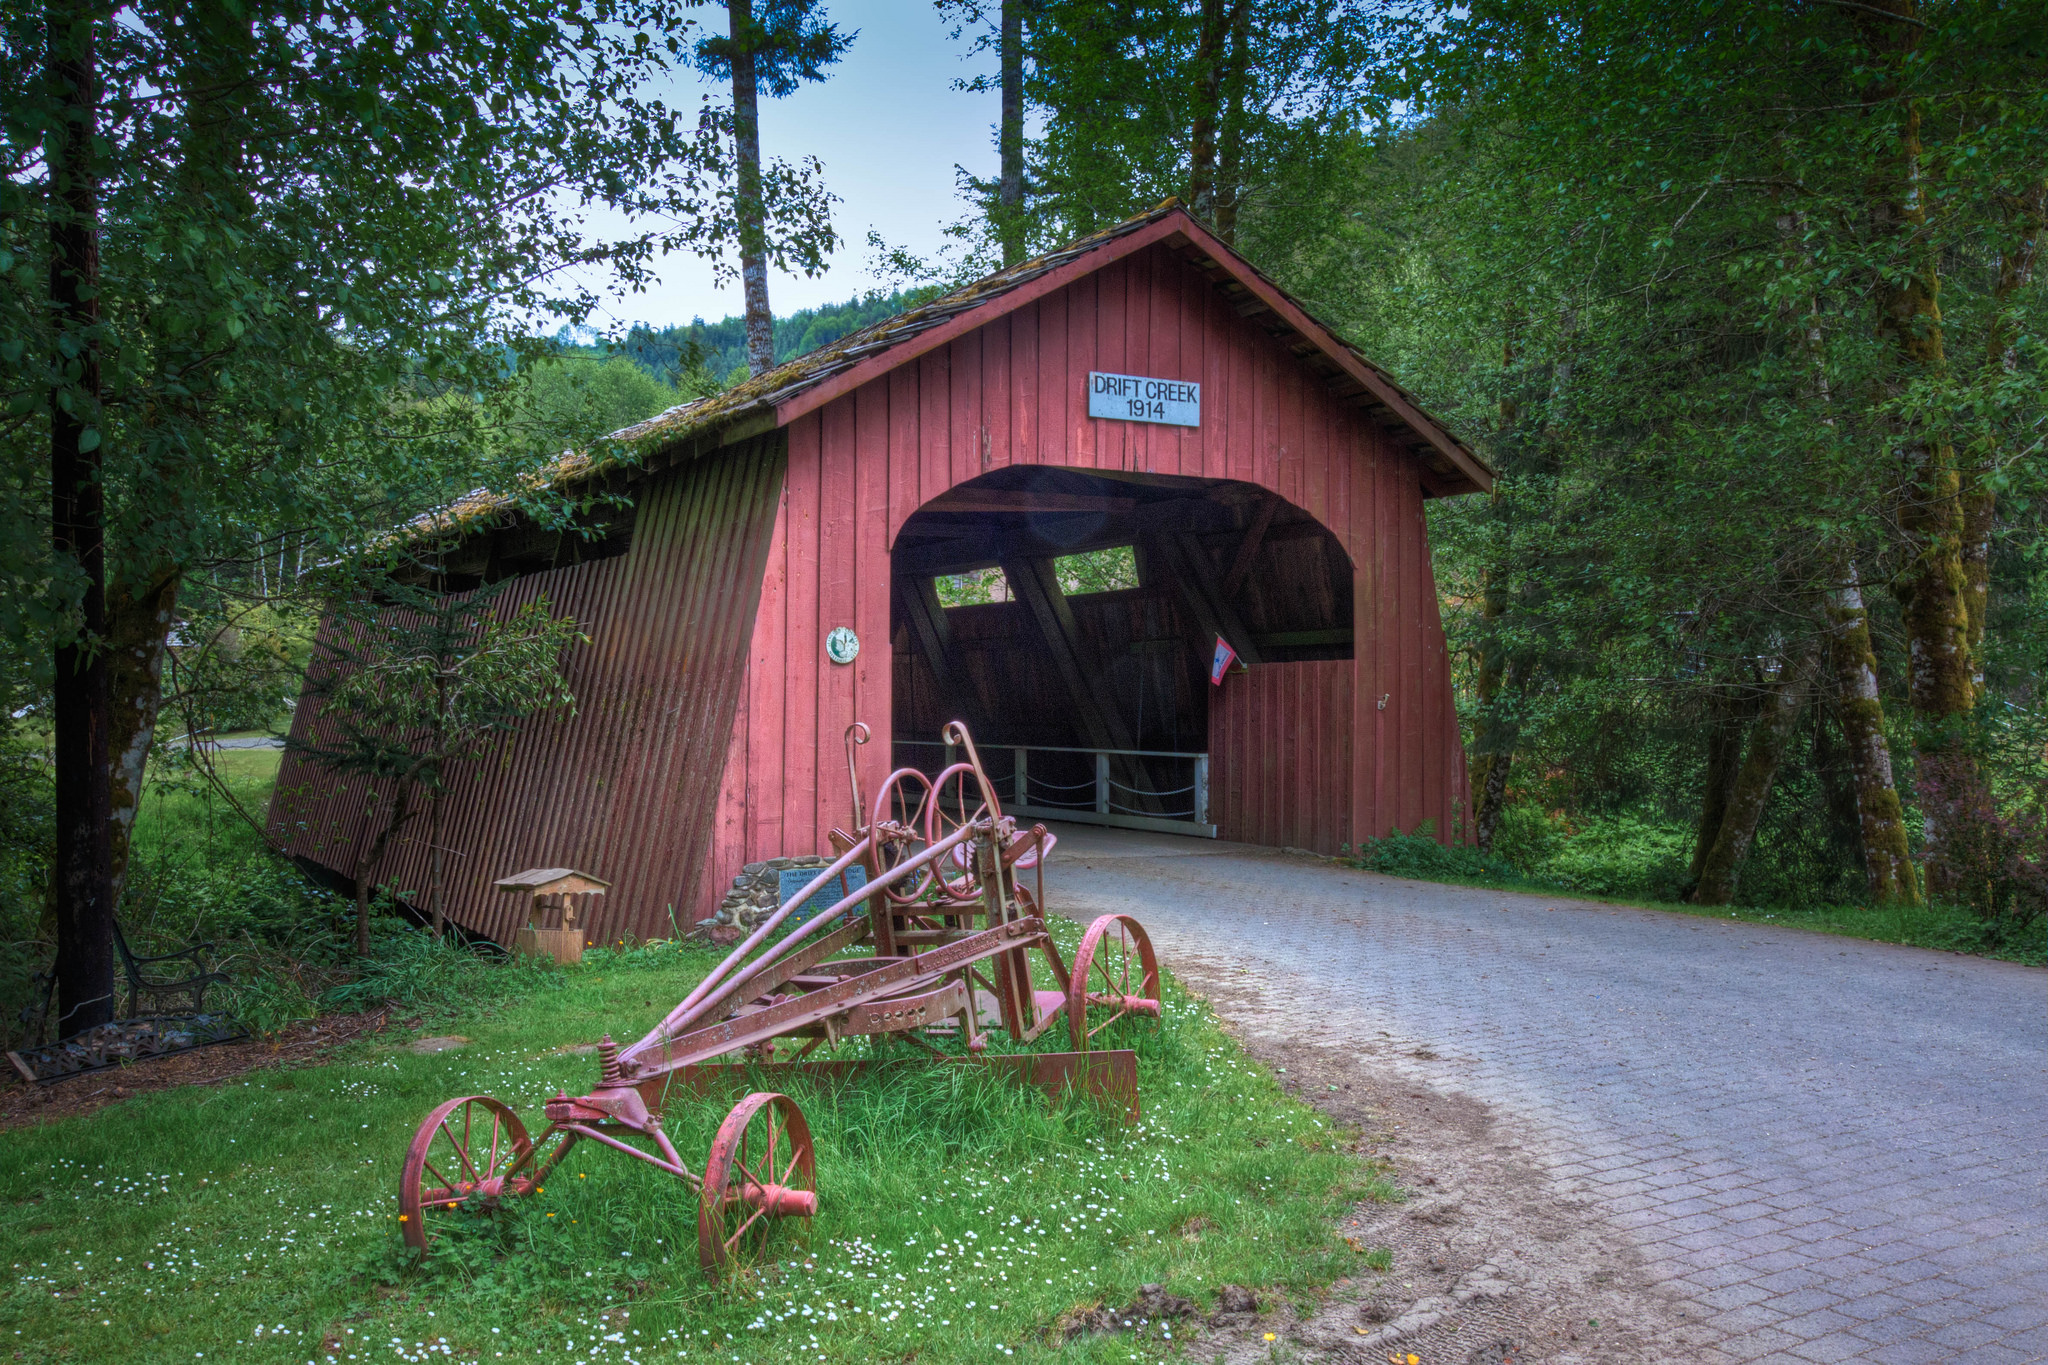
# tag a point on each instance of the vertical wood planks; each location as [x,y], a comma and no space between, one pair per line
[1281,735]
[1326,766]
[710,720]
[626,787]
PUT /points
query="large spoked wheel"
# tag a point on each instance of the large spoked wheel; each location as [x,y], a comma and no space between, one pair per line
[457,1164]
[897,821]
[761,1169]
[955,802]
[1114,974]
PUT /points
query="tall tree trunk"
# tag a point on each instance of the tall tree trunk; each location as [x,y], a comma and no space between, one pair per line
[1933,586]
[82,715]
[2029,215]
[1215,30]
[1230,159]
[1010,227]
[1722,869]
[1887,862]
[1493,735]
[372,857]
[139,620]
[1724,765]
[746,132]
[434,855]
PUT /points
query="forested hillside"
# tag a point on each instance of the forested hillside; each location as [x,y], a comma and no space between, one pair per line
[717,351]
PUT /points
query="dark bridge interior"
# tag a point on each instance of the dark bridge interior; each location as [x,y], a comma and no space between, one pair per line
[1120,669]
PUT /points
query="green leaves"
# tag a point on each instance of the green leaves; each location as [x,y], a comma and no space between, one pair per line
[409,681]
[313,226]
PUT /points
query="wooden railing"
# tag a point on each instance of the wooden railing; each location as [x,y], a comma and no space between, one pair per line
[1155,789]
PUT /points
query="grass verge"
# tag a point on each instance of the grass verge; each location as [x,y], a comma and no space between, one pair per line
[961,1216]
[1942,927]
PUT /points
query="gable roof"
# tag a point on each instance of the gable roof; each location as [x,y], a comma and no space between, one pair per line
[790,390]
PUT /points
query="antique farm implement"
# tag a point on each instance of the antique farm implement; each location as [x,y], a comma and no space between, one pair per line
[952,935]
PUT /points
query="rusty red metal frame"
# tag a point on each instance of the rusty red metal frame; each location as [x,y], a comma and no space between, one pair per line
[929,879]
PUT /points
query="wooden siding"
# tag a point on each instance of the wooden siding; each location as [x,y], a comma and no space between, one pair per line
[1010,393]
[624,789]
[1280,755]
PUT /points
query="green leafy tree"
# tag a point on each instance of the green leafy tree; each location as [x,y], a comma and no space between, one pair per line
[775,46]
[574,402]
[1727,295]
[1239,107]
[410,683]
[243,252]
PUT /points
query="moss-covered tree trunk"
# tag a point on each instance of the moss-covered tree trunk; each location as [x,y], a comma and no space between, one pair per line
[1887,863]
[139,621]
[1722,869]
[1933,585]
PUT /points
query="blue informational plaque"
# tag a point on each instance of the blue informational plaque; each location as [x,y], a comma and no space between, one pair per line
[794,879]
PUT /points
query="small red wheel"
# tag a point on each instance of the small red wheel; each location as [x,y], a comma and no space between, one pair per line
[1111,952]
[897,819]
[761,1168]
[955,803]
[457,1161]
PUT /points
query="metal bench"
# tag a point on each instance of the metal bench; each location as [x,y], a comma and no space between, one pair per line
[155,991]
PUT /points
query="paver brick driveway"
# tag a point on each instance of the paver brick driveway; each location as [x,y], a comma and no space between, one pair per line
[1834,1149]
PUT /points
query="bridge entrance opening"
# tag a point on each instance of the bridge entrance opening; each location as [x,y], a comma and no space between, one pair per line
[1072,619]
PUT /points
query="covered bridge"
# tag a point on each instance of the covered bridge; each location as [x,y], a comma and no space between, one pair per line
[776,577]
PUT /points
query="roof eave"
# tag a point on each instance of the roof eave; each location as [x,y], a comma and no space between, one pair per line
[1172,224]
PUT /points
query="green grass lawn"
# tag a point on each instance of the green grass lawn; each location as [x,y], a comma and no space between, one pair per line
[181,815]
[961,1215]
[1947,928]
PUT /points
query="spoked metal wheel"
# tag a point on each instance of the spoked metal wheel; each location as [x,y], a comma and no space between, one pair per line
[761,1169]
[1114,974]
[956,802]
[898,821]
[457,1164]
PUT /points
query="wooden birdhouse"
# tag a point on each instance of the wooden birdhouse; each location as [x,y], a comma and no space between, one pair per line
[561,902]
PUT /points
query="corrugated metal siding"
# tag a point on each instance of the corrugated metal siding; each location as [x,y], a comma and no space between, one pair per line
[1012,392]
[624,790]
[1280,755]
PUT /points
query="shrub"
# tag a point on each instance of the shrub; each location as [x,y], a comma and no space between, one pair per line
[1420,855]
[412,970]
[1992,861]
[27,842]
[1620,855]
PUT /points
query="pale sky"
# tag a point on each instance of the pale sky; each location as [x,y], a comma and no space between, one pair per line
[889,129]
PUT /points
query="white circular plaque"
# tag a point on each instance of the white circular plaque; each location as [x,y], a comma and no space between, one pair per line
[842,646]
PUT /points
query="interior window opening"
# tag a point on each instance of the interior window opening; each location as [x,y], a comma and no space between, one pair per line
[1114,569]
[973,589]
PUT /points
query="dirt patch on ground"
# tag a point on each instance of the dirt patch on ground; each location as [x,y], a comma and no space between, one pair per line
[22,1104]
[1492,1263]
